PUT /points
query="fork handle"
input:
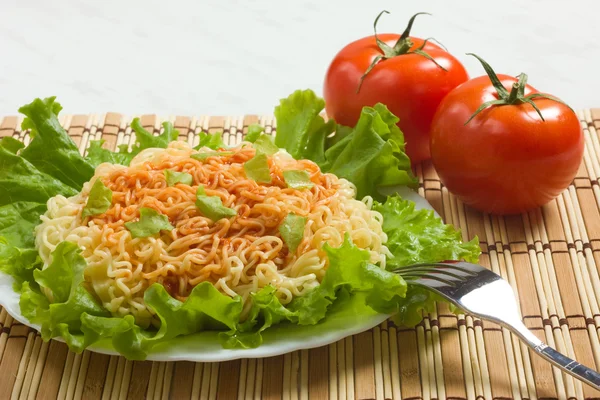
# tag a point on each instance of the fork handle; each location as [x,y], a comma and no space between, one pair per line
[572,367]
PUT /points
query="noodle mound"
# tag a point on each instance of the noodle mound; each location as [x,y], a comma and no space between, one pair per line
[238,255]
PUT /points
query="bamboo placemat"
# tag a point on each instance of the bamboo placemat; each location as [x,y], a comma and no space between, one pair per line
[551,257]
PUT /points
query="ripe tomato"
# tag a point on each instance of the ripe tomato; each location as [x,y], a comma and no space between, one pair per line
[407,82]
[507,159]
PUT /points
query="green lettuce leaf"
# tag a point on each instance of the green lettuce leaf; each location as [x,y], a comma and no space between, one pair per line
[409,310]
[300,128]
[264,145]
[18,221]
[11,144]
[150,223]
[24,191]
[96,154]
[297,179]
[266,311]
[51,149]
[34,305]
[64,319]
[211,140]
[254,132]
[18,256]
[22,181]
[65,272]
[370,155]
[204,155]
[418,236]
[50,102]
[212,206]
[62,316]
[341,132]
[349,267]
[19,262]
[205,309]
[349,272]
[292,230]
[95,328]
[99,200]
[174,177]
[257,169]
[146,140]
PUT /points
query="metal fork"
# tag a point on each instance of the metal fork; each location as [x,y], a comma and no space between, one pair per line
[484,294]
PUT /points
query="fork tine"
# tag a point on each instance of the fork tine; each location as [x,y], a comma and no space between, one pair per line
[461,267]
[433,282]
[434,273]
[457,269]
[451,274]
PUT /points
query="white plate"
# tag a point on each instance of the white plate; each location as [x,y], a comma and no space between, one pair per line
[281,339]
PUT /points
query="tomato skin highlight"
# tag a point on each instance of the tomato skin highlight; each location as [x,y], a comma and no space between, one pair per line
[410,85]
[506,160]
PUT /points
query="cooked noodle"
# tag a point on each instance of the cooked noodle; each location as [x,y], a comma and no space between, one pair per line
[238,255]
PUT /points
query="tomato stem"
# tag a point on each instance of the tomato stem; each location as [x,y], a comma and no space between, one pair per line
[521,83]
[432,39]
[406,32]
[402,46]
[517,91]
[516,94]
[513,96]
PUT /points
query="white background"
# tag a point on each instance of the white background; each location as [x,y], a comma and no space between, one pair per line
[235,57]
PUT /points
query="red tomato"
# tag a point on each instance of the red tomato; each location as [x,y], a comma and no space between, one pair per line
[507,159]
[409,84]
